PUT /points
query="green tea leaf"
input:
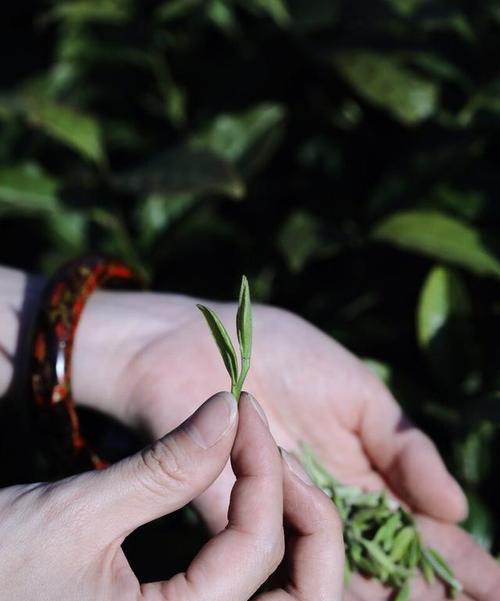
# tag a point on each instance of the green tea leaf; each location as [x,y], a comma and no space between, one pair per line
[379,556]
[247,139]
[182,170]
[26,188]
[444,329]
[441,568]
[69,126]
[223,341]
[404,592]
[402,542]
[385,534]
[244,320]
[386,82]
[443,297]
[427,569]
[439,236]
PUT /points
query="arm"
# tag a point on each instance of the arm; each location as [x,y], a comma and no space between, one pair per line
[19,296]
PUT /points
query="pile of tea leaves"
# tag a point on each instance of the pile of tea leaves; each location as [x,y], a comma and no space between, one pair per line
[381,538]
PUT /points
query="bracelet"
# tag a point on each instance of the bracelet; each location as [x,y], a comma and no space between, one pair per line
[63,302]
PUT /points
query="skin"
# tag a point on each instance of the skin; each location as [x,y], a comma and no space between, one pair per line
[147,358]
[74,528]
[162,359]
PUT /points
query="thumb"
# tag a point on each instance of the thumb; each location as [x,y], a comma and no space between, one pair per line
[164,476]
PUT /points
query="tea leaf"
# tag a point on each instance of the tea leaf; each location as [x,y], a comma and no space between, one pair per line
[404,592]
[402,542]
[223,341]
[442,569]
[427,569]
[379,556]
[244,321]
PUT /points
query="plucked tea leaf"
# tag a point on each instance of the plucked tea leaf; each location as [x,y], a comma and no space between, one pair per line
[441,568]
[223,341]
[404,593]
[402,542]
[244,320]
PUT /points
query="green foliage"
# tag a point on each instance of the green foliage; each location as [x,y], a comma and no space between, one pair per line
[341,153]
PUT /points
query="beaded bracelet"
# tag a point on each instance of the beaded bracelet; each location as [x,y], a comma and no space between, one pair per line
[62,305]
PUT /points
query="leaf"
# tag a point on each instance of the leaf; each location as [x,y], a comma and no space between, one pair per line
[427,569]
[276,9]
[182,170]
[299,239]
[175,9]
[439,236]
[406,8]
[156,213]
[244,320]
[223,341]
[404,592]
[384,81]
[83,11]
[443,296]
[379,556]
[67,125]
[441,568]
[444,328]
[248,138]
[402,542]
[26,188]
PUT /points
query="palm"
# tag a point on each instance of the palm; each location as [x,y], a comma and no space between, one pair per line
[313,390]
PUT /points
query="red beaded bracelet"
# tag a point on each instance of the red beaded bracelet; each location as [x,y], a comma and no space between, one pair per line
[62,305]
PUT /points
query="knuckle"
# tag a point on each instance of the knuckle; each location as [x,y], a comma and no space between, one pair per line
[165,465]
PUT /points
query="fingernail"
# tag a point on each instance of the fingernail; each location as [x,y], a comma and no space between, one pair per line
[296,467]
[257,407]
[212,420]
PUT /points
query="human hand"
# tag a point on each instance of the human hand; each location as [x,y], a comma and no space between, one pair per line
[63,540]
[313,390]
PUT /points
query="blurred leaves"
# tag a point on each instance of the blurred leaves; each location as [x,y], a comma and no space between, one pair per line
[248,139]
[386,82]
[67,125]
[183,170]
[26,188]
[444,329]
[439,236]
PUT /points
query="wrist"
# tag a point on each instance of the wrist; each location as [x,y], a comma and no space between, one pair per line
[113,330]
[19,300]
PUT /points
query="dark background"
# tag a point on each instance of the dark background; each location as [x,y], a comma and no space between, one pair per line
[343,154]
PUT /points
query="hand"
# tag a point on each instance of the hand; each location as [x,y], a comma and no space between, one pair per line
[63,540]
[154,352]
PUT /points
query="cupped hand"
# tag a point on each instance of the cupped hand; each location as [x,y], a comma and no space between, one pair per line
[151,357]
[63,540]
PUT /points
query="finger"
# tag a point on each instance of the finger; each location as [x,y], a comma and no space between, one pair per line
[407,458]
[478,572]
[234,564]
[213,502]
[160,479]
[315,548]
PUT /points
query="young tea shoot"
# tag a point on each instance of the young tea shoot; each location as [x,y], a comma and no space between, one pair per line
[381,538]
[224,342]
